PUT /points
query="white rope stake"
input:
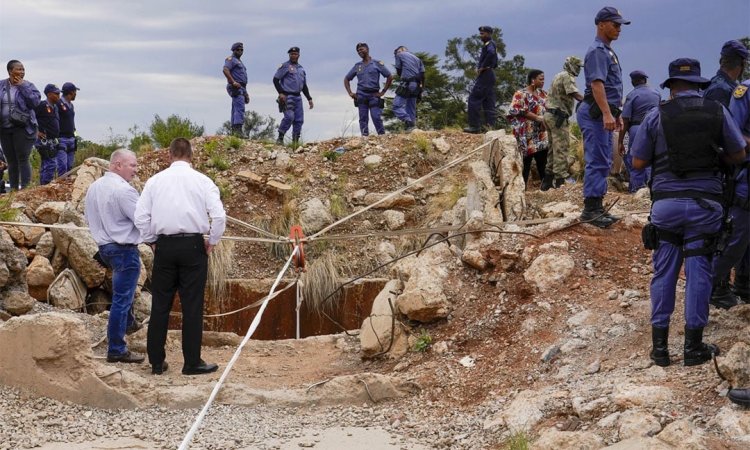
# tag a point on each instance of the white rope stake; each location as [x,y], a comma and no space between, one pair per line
[256,320]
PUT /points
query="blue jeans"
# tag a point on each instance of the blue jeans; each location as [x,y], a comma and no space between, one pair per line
[687,217]
[125,262]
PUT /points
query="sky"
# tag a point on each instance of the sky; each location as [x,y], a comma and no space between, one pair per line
[133,59]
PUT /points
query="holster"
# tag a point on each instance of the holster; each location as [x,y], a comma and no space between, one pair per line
[596,113]
[650,236]
[281,105]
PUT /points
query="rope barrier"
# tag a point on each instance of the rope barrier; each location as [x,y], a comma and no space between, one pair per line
[250,331]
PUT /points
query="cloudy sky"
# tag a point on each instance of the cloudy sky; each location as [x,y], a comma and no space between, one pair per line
[133,59]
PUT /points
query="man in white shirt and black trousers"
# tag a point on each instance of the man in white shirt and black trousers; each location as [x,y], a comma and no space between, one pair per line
[173,214]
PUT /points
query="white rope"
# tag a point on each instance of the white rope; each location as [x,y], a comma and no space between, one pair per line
[256,320]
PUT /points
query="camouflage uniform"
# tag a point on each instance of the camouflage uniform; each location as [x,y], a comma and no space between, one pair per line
[559,98]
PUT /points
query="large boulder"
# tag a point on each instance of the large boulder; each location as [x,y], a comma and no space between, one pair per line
[17,302]
[380,331]
[507,166]
[315,216]
[88,172]
[12,267]
[49,212]
[39,276]
[46,245]
[423,298]
[552,439]
[549,270]
[25,236]
[79,248]
[735,366]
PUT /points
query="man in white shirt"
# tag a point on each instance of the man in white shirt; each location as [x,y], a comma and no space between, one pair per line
[173,214]
[110,208]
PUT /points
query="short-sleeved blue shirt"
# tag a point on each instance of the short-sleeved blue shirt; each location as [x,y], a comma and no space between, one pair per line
[409,65]
[721,88]
[291,76]
[368,75]
[601,63]
[650,141]
[236,69]
[639,101]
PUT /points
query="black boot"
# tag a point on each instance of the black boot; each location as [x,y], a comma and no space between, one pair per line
[593,213]
[547,182]
[295,140]
[237,130]
[600,209]
[280,139]
[721,296]
[742,288]
[408,126]
[740,396]
[696,352]
[660,351]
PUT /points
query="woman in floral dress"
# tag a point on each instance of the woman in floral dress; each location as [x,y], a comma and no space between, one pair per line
[526,117]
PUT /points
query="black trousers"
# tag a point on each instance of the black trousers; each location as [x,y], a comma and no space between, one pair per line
[180,265]
[541,161]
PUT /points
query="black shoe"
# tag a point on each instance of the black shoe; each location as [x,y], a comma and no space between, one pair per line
[594,214]
[722,296]
[696,352]
[740,396]
[742,288]
[133,327]
[472,130]
[158,369]
[547,183]
[200,369]
[660,350]
[128,357]
[280,139]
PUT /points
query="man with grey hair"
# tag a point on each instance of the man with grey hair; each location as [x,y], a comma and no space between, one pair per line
[110,213]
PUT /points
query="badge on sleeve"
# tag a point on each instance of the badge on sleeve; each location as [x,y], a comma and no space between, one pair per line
[229,58]
[739,92]
[381,63]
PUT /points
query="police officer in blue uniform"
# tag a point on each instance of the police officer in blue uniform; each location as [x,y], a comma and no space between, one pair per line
[236,74]
[67,123]
[599,114]
[731,64]
[290,80]
[482,95]
[637,103]
[679,140]
[54,158]
[368,98]
[410,70]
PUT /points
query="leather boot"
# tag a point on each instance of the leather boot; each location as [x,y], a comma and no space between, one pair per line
[547,182]
[237,130]
[592,213]
[721,296]
[740,396]
[600,210]
[660,350]
[280,139]
[696,352]
[742,288]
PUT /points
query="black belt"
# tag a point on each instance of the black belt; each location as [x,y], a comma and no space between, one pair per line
[67,135]
[122,245]
[369,92]
[635,122]
[291,93]
[180,235]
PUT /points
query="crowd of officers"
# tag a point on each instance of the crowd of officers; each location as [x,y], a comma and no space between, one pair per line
[28,120]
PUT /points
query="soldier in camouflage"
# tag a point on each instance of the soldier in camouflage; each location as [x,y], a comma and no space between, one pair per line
[560,100]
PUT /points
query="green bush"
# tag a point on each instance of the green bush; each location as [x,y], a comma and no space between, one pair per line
[218,162]
[424,341]
[234,142]
[164,131]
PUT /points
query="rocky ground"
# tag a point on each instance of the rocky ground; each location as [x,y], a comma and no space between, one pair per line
[545,344]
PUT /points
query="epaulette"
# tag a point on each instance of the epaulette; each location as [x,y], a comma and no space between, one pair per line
[739,92]
[229,58]
[381,63]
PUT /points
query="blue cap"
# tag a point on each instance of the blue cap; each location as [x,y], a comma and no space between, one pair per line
[686,69]
[51,88]
[638,74]
[610,14]
[485,28]
[734,48]
[69,87]
[237,45]
[293,50]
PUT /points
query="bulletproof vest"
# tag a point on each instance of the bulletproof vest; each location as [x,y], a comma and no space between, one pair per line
[693,128]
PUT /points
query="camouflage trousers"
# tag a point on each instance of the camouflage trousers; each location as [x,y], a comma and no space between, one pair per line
[559,140]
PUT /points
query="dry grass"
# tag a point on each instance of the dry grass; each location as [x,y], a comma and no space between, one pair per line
[220,263]
[446,200]
[280,225]
[320,280]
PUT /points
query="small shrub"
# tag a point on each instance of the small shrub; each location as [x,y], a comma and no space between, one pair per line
[234,142]
[519,440]
[338,206]
[225,190]
[331,155]
[7,214]
[163,131]
[424,341]
[218,162]
[422,143]
[210,147]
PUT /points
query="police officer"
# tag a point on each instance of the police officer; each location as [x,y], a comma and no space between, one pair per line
[410,70]
[599,115]
[562,94]
[54,158]
[638,102]
[290,79]
[482,95]
[679,140]
[737,253]
[731,65]
[67,123]
[369,96]
[236,74]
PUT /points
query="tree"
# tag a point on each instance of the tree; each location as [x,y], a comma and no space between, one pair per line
[163,131]
[745,73]
[255,127]
[461,56]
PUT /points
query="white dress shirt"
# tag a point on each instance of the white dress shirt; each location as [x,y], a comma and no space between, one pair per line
[180,200]
[110,208]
